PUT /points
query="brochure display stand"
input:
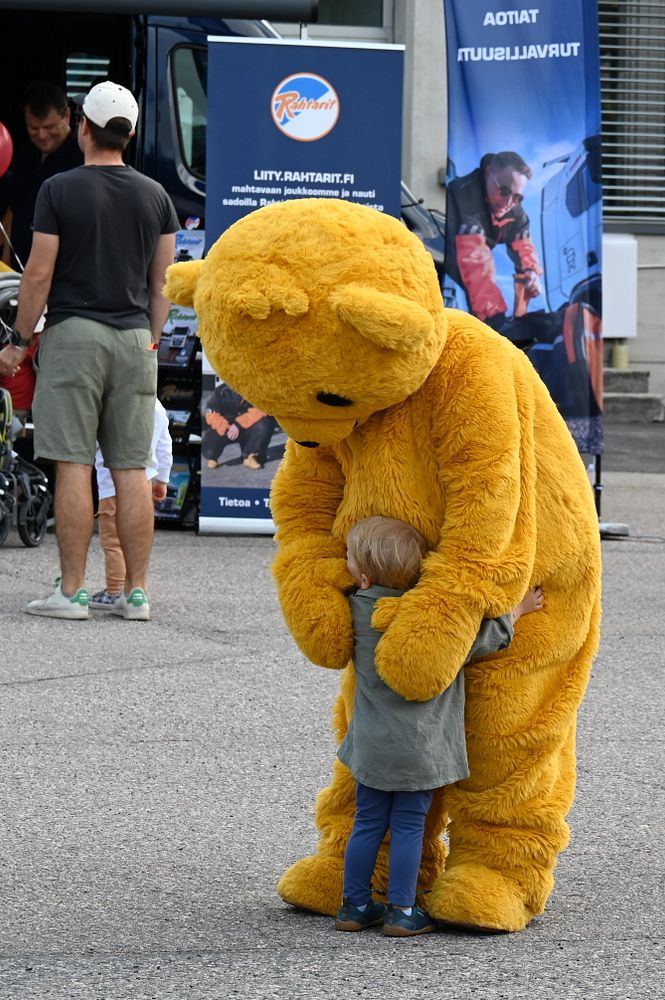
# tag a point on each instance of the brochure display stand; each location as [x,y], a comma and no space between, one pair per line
[179,390]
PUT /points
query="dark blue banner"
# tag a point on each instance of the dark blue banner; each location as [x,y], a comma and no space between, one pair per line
[286,119]
[524,209]
[301,120]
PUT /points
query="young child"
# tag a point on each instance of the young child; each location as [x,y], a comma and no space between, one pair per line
[398,751]
[158,473]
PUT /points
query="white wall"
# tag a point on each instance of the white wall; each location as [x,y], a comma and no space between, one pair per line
[419,26]
[647,351]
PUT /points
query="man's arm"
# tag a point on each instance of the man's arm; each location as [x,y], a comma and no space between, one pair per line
[33,293]
[477,268]
[159,306]
[524,256]
[6,253]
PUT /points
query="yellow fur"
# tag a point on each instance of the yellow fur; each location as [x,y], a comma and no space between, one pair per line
[448,427]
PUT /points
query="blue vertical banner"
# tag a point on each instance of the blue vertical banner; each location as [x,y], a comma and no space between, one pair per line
[286,119]
[524,198]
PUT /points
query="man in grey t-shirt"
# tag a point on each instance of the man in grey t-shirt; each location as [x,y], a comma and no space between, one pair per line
[103,237]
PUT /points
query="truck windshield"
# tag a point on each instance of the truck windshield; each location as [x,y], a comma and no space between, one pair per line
[189,73]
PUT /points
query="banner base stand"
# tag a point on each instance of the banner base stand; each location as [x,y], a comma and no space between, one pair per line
[610,529]
[235,526]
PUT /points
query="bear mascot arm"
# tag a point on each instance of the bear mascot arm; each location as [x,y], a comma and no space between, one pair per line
[483,561]
[310,568]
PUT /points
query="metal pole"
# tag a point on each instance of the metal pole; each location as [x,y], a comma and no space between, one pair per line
[597,485]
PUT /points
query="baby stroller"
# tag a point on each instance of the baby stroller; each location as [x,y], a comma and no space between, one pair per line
[24,495]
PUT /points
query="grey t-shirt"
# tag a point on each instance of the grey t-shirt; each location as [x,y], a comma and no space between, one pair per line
[108,220]
[397,745]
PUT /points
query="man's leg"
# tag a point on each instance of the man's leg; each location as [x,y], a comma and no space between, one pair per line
[212,446]
[135,521]
[74,520]
[255,440]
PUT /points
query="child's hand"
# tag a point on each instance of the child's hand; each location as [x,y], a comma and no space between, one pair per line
[158,491]
[533,600]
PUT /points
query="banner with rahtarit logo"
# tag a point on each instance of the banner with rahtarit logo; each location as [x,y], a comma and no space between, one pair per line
[286,119]
[289,119]
[524,212]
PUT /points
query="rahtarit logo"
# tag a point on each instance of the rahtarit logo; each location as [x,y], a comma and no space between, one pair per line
[305,107]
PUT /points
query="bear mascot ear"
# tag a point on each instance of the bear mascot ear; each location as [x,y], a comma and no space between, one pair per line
[270,289]
[386,319]
[181,282]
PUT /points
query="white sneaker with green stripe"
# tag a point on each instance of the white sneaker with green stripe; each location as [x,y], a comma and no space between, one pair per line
[59,605]
[133,606]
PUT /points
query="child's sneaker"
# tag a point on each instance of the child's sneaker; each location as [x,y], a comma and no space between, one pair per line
[133,607]
[350,918]
[103,600]
[400,924]
[58,605]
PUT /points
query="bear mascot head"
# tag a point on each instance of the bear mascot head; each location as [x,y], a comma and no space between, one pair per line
[329,317]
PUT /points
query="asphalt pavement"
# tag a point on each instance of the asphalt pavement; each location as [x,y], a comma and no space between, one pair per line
[156,779]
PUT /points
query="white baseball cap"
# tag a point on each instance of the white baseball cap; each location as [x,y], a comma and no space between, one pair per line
[108,100]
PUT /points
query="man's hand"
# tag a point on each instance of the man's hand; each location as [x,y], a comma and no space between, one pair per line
[531,284]
[233,432]
[10,359]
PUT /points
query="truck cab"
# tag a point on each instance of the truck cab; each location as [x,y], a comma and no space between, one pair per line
[161,59]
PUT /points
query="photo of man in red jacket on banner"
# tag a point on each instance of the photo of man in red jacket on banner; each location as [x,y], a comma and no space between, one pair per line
[524,197]
[485,211]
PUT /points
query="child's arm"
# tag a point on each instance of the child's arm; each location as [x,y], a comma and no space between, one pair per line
[494,634]
[105,484]
[163,446]
[497,633]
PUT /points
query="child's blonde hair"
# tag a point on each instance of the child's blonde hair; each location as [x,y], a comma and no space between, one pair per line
[387,550]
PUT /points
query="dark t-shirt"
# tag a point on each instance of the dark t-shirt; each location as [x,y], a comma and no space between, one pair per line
[29,170]
[109,220]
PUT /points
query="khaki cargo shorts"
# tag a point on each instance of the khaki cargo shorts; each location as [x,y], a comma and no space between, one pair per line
[95,383]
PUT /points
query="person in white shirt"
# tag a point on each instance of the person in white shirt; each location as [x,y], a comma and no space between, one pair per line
[157,474]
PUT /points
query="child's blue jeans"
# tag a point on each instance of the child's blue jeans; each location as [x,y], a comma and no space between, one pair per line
[404,814]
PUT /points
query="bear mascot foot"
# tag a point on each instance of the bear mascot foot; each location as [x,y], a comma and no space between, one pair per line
[478,899]
[315,884]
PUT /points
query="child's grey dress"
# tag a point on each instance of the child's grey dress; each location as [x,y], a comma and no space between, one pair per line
[397,745]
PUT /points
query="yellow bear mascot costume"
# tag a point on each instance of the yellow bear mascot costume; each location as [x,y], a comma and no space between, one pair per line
[328,315]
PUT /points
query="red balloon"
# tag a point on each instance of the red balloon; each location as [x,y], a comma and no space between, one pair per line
[6,149]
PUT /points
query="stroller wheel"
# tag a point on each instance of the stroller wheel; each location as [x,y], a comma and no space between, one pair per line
[31,521]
